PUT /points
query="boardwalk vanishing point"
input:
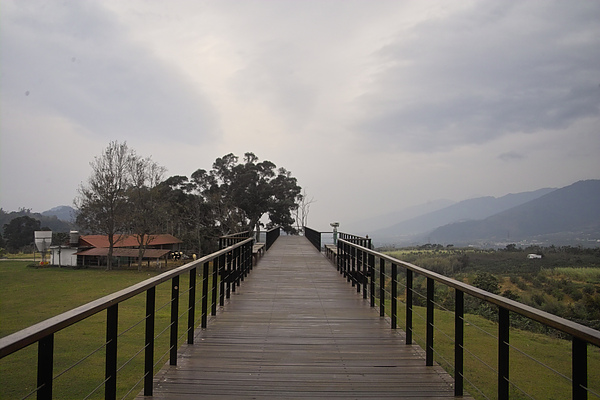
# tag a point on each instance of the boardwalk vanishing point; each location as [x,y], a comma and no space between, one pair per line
[295,329]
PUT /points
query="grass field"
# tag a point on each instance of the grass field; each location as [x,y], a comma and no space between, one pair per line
[23,256]
[527,374]
[587,275]
[31,295]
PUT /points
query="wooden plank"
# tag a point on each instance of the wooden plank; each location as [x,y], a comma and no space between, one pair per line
[296,329]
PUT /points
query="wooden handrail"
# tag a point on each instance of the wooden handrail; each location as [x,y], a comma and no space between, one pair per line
[572,328]
[13,342]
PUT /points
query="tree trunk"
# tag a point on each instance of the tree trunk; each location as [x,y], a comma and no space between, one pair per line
[142,243]
[111,245]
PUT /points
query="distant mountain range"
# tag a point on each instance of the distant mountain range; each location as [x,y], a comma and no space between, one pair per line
[64,213]
[570,215]
[60,221]
[374,224]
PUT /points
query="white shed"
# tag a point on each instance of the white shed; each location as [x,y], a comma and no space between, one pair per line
[63,256]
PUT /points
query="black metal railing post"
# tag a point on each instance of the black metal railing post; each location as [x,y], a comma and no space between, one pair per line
[459,338]
[344,259]
[352,266]
[381,287]
[249,261]
[503,353]
[365,274]
[248,252]
[45,367]
[174,320]
[371,265]
[191,306]
[356,268]
[215,285]
[313,237]
[272,235]
[204,295]
[429,333]
[579,369]
[238,266]
[394,310]
[234,271]
[338,259]
[409,306]
[242,264]
[242,258]
[228,274]
[110,369]
[149,340]
[221,265]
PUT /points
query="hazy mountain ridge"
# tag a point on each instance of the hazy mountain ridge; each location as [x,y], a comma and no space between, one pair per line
[64,213]
[570,213]
[471,209]
[373,224]
[46,220]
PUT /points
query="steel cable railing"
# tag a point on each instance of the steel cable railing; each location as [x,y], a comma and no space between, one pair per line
[358,264]
[232,264]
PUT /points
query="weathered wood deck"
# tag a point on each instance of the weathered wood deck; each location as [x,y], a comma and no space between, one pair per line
[296,329]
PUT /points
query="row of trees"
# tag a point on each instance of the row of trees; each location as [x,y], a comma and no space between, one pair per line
[127,193]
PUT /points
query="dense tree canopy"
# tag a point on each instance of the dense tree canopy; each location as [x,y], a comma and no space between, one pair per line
[19,232]
[245,192]
[231,197]
[127,194]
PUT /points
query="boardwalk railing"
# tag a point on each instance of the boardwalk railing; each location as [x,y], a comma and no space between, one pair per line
[367,268]
[272,235]
[313,236]
[233,238]
[358,240]
[231,263]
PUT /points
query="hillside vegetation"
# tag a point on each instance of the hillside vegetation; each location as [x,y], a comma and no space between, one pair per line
[564,282]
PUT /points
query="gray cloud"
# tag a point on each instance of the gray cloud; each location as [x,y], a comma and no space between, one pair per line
[460,94]
[77,62]
[511,156]
[488,71]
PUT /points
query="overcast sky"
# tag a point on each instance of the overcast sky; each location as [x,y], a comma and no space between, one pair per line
[373,105]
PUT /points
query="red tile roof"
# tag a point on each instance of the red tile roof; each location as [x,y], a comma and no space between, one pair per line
[101,241]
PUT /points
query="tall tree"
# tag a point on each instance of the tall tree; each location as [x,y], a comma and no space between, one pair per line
[145,206]
[301,213]
[242,193]
[102,202]
[20,231]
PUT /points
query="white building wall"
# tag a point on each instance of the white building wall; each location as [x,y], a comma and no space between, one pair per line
[67,257]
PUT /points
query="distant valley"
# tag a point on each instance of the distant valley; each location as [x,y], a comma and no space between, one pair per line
[565,216]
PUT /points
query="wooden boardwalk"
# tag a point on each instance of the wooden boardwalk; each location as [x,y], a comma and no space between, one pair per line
[296,329]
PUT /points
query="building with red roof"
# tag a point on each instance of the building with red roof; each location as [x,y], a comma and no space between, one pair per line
[92,250]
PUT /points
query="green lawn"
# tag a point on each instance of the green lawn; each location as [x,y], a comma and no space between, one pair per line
[30,295]
[481,358]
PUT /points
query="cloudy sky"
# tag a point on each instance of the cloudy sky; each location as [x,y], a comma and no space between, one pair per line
[373,105]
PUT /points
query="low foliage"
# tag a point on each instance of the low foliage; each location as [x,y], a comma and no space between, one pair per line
[564,282]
